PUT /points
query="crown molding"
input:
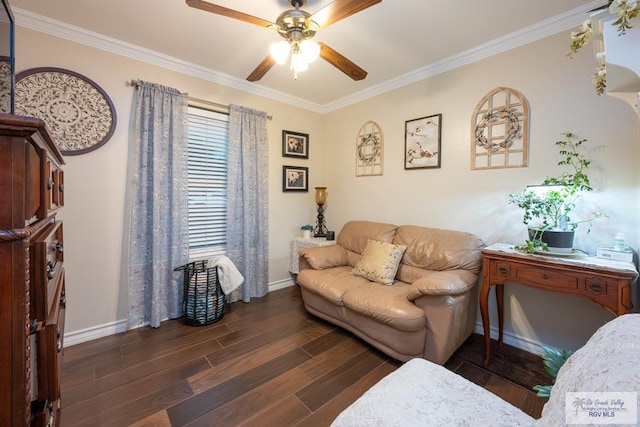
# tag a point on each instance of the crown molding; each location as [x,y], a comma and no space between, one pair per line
[516,39]
[55,28]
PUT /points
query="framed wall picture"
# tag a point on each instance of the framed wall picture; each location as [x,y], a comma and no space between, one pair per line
[422,142]
[295,178]
[295,144]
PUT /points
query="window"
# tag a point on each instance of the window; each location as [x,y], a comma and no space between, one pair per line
[208,134]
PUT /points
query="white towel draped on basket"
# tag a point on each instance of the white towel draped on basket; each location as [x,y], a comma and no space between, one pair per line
[228,275]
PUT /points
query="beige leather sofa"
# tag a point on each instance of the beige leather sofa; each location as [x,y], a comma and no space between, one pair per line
[428,310]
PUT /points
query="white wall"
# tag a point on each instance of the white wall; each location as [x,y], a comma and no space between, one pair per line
[95,183]
[560,97]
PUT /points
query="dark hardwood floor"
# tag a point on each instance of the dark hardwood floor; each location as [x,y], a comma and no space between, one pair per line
[266,363]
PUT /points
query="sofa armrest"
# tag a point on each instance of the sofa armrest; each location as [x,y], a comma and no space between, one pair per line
[322,257]
[450,282]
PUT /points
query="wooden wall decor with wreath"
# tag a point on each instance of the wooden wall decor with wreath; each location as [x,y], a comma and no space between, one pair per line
[500,130]
[369,150]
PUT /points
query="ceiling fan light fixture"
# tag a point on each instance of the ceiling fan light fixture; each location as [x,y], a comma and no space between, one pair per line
[297,27]
[280,51]
[298,63]
[310,50]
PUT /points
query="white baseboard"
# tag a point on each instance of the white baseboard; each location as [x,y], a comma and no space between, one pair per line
[89,334]
[280,284]
[523,343]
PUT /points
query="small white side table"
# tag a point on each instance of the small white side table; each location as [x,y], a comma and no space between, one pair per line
[300,243]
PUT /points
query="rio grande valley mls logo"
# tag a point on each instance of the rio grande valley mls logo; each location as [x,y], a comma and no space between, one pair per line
[601,408]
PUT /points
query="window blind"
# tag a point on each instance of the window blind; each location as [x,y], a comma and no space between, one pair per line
[208,135]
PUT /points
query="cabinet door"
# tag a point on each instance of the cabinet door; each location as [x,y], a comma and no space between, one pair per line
[47,255]
[55,187]
[50,347]
[52,186]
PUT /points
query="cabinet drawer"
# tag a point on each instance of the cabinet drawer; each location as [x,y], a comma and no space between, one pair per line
[546,278]
[50,346]
[600,290]
[501,270]
[47,261]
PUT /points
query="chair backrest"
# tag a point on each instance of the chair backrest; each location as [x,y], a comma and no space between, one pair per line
[609,361]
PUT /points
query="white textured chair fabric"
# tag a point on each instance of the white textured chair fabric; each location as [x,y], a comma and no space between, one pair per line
[421,393]
[608,362]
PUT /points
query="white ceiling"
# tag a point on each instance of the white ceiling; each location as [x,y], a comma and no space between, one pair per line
[396,41]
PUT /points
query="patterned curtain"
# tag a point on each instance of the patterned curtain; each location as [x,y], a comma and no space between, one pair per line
[158,222]
[248,203]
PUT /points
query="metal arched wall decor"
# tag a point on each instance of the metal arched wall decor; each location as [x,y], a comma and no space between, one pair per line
[369,150]
[79,114]
[500,130]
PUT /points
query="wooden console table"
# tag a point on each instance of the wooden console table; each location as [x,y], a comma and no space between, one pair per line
[605,282]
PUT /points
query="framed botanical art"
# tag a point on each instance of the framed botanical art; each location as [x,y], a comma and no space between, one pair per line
[295,178]
[422,142]
[295,144]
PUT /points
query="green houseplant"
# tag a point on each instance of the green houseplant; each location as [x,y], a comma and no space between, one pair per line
[552,360]
[547,208]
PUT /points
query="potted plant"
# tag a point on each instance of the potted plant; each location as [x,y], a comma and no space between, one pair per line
[552,360]
[547,207]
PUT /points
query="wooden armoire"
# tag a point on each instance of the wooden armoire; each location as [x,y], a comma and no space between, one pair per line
[32,289]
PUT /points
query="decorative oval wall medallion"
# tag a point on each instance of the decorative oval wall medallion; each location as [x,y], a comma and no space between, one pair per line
[79,115]
[500,130]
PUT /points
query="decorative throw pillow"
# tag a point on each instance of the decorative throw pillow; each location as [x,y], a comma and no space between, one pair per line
[379,262]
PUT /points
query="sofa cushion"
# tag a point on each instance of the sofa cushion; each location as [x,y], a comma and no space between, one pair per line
[331,283]
[379,262]
[386,304]
[436,249]
[355,234]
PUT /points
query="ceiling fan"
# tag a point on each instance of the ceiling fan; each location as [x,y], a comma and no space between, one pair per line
[298,27]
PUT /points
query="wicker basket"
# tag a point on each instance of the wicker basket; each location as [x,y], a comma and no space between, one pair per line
[203,302]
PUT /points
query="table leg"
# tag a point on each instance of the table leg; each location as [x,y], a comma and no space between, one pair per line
[484,313]
[500,301]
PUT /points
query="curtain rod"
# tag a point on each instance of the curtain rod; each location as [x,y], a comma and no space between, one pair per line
[225,108]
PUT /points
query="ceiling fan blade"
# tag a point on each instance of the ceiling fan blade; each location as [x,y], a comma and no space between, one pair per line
[341,63]
[340,9]
[262,69]
[230,13]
